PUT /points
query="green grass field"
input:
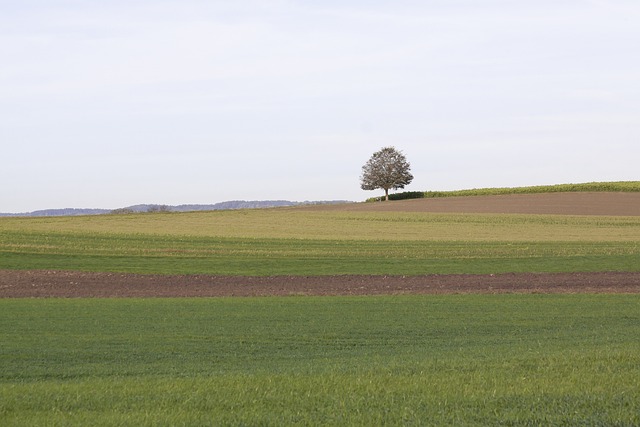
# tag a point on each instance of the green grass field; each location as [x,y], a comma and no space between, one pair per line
[302,242]
[397,360]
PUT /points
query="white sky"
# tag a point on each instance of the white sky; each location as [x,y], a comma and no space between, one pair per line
[113,103]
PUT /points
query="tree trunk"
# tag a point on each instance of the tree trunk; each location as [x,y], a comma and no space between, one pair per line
[386,194]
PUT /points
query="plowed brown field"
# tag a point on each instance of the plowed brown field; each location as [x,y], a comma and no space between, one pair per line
[15,284]
[65,284]
[587,203]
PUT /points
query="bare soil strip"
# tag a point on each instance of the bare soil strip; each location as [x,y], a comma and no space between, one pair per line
[72,284]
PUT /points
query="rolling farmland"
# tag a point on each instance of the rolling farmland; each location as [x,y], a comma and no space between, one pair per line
[524,322]
[323,241]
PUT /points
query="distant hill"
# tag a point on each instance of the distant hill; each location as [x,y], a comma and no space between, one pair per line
[60,212]
[233,204]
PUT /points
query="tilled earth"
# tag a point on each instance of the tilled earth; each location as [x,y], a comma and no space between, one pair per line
[587,203]
[73,284]
[42,283]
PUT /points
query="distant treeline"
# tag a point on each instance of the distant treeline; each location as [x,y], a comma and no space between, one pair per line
[619,186]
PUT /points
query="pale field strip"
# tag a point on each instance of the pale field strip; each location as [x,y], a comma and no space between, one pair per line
[303,224]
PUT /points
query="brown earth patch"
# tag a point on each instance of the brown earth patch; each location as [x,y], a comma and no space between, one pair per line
[73,284]
[583,203]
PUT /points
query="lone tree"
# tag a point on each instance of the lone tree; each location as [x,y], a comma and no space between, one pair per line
[387,168]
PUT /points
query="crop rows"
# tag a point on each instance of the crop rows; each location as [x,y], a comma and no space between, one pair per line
[229,256]
[297,242]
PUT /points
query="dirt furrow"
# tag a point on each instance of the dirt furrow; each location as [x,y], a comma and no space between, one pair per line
[74,284]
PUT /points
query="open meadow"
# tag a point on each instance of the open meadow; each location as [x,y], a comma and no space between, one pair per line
[350,239]
[525,357]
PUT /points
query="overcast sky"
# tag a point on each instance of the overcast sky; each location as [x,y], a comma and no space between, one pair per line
[113,103]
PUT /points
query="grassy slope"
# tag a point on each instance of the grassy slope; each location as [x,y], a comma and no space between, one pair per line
[633,186]
[624,186]
[461,359]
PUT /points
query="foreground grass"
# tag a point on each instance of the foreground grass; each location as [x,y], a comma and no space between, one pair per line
[459,359]
[299,242]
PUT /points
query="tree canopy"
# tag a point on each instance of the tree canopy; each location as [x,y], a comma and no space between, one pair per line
[386,169]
